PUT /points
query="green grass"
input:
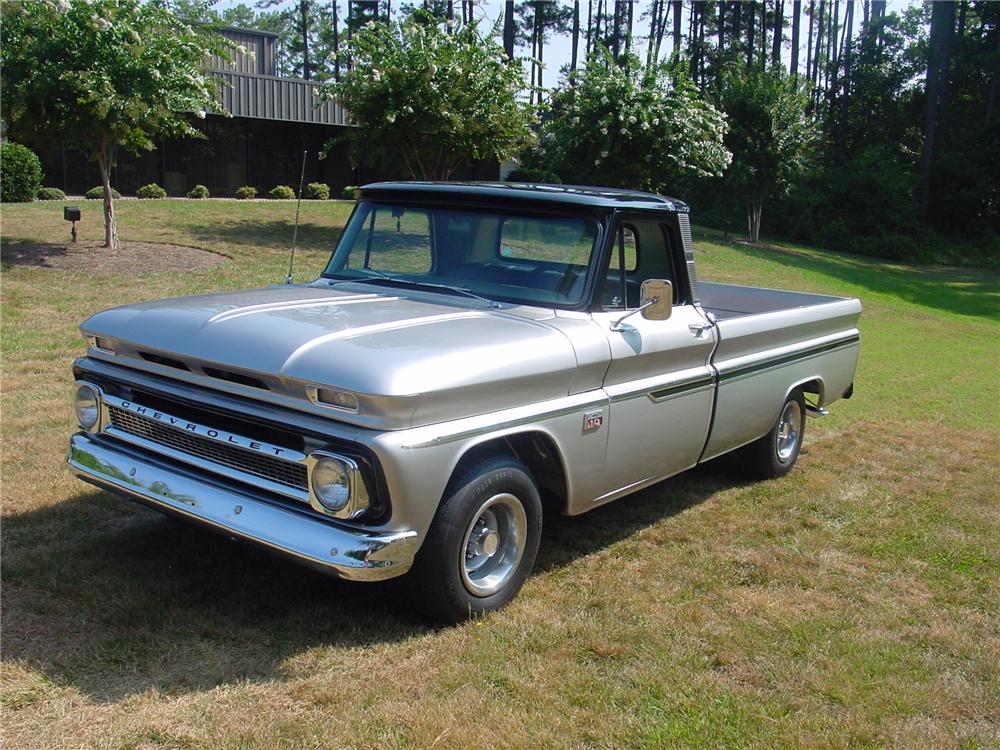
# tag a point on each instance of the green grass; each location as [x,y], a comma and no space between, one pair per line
[850,604]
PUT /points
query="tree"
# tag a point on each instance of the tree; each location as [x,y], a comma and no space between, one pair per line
[942,29]
[632,126]
[104,74]
[771,137]
[536,20]
[427,100]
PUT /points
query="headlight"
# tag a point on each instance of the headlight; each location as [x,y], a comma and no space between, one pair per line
[336,486]
[331,483]
[87,405]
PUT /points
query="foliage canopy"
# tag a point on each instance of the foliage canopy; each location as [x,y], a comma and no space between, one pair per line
[104,74]
[632,126]
[431,97]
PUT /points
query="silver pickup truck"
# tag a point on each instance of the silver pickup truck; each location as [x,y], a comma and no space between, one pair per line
[470,353]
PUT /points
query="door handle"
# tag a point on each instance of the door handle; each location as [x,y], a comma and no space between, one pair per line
[698,329]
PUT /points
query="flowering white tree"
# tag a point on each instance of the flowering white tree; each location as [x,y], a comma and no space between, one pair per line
[633,126]
[103,74]
[427,98]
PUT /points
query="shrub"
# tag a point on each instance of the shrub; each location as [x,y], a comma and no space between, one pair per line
[20,173]
[152,190]
[281,193]
[50,194]
[198,191]
[97,193]
[316,191]
[527,174]
[246,192]
[350,192]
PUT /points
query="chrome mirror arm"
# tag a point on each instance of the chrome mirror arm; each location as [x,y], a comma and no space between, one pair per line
[617,325]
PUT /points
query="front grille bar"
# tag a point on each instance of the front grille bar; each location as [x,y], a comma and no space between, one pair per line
[276,468]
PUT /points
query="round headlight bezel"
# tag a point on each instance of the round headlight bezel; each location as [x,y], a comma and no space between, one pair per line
[87,406]
[348,502]
[330,481]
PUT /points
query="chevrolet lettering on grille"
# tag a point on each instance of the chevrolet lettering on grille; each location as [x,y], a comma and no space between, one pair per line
[196,429]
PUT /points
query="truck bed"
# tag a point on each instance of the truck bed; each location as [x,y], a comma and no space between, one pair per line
[734,301]
[812,338]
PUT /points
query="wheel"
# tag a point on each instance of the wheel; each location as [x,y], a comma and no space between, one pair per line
[482,544]
[775,454]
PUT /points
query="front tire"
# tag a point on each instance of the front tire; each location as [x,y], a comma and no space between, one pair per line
[775,453]
[483,542]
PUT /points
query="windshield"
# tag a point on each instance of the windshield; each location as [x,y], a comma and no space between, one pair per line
[530,259]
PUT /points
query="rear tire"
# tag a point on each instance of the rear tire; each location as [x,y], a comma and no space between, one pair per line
[775,453]
[483,542]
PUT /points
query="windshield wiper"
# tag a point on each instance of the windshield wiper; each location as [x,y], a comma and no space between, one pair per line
[384,278]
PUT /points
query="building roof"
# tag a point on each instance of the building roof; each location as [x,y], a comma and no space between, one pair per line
[578,195]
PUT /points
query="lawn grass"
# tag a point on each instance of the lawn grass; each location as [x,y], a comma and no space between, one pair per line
[853,603]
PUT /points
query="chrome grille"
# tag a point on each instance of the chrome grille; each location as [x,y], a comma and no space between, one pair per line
[288,473]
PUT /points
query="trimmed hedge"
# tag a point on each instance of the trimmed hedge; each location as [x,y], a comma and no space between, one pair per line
[152,190]
[97,193]
[316,191]
[281,193]
[246,192]
[50,194]
[198,191]
[350,192]
[20,173]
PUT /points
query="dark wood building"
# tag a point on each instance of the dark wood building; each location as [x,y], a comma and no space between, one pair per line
[272,121]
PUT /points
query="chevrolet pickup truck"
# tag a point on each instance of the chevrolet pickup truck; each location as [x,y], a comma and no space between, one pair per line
[470,353]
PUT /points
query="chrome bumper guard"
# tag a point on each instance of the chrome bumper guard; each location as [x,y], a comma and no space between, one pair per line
[352,554]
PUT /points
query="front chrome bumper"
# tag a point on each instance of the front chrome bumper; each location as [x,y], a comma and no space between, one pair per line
[352,554]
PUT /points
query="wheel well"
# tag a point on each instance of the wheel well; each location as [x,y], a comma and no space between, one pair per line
[813,388]
[538,452]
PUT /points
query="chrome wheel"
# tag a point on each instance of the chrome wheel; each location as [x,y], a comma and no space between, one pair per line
[789,431]
[493,544]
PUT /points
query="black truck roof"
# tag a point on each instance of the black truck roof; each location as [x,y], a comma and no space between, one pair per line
[526,193]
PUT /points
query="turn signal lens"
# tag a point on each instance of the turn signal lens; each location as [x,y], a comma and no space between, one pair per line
[338,399]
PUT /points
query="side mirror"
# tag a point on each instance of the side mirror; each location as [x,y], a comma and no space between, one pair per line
[657,299]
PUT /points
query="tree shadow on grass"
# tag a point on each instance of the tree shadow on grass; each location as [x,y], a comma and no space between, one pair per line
[963,291]
[114,599]
[273,234]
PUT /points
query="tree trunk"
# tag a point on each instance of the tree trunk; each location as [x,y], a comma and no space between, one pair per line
[678,9]
[508,29]
[942,22]
[576,35]
[304,17]
[751,26]
[793,67]
[779,32]
[845,98]
[763,34]
[105,157]
[809,39]
[722,26]
[661,29]
[755,207]
[628,28]
[819,43]
[336,42]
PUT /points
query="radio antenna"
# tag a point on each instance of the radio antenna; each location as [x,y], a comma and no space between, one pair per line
[295,232]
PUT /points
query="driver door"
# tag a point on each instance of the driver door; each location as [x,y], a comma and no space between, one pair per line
[659,381]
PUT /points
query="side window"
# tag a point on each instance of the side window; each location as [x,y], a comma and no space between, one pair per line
[397,240]
[625,246]
[646,250]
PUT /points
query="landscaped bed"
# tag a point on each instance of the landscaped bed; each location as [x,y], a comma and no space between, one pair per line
[852,603]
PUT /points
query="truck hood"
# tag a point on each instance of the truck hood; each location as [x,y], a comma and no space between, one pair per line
[410,361]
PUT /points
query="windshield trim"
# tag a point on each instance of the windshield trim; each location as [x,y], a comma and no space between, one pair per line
[584,303]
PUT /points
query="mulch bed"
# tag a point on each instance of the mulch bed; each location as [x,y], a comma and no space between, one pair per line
[130,258]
